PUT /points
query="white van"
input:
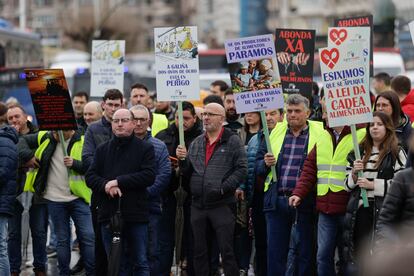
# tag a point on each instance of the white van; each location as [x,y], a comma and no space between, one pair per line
[389,62]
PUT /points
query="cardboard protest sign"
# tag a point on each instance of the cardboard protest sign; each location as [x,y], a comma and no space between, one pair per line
[353,44]
[254,73]
[176,63]
[360,21]
[346,94]
[295,54]
[411,26]
[51,99]
[107,68]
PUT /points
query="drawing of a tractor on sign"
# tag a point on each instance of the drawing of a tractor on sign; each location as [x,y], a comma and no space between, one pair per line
[55,86]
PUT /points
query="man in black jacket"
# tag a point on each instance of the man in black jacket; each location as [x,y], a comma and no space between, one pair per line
[192,129]
[122,169]
[96,134]
[216,164]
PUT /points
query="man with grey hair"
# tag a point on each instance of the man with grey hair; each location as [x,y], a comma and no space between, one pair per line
[291,141]
[162,179]
[92,112]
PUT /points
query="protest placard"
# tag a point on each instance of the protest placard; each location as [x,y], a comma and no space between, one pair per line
[346,94]
[295,54]
[411,26]
[254,73]
[51,99]
[176,63]
[107,68]
[361,21]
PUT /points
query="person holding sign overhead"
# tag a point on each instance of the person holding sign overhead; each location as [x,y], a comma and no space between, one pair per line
[60,180]
[291,142]
[381,158]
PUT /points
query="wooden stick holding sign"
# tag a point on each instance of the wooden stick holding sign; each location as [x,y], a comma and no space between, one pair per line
[181,124]
[358,156]
[267,139]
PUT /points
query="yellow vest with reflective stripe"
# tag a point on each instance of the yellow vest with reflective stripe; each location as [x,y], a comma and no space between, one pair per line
[159,122]
[77,182]
[278,136]
[332,164]
[31,174]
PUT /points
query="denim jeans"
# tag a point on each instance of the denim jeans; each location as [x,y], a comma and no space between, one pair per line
[78,210]
[279,225]
[134,247]
[329,237]
[153,245]
[4,259]
[52,238]
[15,237]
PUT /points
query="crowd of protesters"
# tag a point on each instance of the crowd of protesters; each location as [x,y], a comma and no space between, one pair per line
[210,205]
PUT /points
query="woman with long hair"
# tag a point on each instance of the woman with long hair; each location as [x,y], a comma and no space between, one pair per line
[381,158]
[389,103]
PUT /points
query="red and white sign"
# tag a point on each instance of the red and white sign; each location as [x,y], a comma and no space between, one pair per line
[346,91]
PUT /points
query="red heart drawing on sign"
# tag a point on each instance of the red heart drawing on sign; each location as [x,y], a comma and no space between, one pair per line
[330,58]
[338,36]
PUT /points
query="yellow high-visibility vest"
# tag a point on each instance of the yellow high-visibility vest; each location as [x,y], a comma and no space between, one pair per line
[332,164]
[159,122]
[277,138]
[77,182]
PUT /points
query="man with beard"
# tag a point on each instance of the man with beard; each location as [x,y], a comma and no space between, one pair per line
[192,128]
[233,120]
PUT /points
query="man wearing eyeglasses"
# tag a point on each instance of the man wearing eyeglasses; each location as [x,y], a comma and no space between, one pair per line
[97,133]
[162,179]
[122,169]
[215,165]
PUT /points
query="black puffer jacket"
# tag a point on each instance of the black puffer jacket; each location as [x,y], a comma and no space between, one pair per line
[398,209]
[385,171]
[8,169]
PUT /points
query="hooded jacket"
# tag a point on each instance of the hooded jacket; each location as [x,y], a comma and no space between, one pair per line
[8,169]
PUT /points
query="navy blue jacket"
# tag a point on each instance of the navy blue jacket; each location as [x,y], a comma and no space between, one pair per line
[8,168]
[96,134]
[163,173]
[131,162]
